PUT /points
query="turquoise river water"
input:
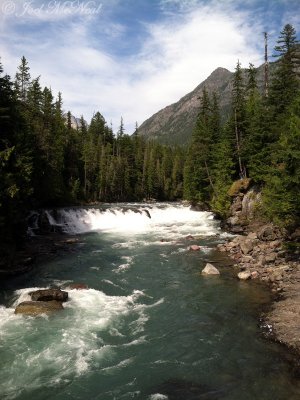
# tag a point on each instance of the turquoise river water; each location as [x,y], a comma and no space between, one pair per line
[150,326]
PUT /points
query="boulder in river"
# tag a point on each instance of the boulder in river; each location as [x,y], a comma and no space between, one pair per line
[38,307]
[190,237]
[78,286]
[194,247]
[49,295]
[210,270]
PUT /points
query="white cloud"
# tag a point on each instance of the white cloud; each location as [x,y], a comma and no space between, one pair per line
[177,54]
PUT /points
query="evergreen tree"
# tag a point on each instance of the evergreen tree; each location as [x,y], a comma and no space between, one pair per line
[197,173]
[224,171]
[22,80]
[285,82]
[282,190]
[238,117]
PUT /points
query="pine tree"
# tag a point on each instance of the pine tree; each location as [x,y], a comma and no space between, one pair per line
[198,183]
[282,190]
[255,145]
[120,135]
[238,116]
[22,80]
[285,82]
[224,171]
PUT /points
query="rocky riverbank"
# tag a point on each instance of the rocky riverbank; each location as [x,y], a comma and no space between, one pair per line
[262,251]
[264,256]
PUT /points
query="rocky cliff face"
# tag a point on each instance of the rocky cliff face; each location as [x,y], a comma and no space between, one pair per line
[245,206]
[75,122]
[174,124]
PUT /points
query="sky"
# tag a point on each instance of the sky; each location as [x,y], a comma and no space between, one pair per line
[131,58]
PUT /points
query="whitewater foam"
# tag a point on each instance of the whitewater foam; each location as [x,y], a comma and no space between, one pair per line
[158,396]
[65,345]
[172,220]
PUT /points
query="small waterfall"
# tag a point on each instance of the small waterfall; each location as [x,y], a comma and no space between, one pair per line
[133,218]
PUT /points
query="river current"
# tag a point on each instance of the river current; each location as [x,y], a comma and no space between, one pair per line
[149,326]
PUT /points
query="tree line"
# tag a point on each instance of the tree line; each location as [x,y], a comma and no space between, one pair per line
[260,140]
[45,161]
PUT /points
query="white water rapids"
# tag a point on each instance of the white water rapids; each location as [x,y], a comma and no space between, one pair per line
[171,219]
[149,326]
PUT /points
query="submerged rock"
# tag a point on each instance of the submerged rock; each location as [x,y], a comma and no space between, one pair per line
[147,213]
[49,295]
[210,270]
[179,389]
[78,286]
[38,307]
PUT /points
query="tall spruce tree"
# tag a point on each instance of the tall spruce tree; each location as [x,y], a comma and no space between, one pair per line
[22,80]
[197,172]
[285,82]
[238,117]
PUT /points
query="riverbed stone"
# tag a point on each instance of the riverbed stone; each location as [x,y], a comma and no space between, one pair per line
[270,232]
[38,307]
[270,257]
[49,295]
[252,235]
[210,270]
[254,275]
[246,246]
[244,275]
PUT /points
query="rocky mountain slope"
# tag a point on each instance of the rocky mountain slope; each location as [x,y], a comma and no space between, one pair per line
[174,124]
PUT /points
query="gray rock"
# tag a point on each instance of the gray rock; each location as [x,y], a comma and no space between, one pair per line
[246,246]
[270,257]
[38,307]
[252,235]
[247,259]
[232,221]
[270,232]
[262,259]
[254,275]
[244,275]
[296,235]
[210,270]
[275,244]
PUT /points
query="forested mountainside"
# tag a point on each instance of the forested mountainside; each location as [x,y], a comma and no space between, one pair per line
[174,124]
[260,141]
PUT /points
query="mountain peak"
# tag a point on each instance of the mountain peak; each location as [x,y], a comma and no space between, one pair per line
[174,124]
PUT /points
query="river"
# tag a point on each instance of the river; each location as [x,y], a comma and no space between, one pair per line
[150,326]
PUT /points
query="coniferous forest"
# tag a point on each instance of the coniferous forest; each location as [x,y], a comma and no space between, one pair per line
[260,139]
[45,162]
